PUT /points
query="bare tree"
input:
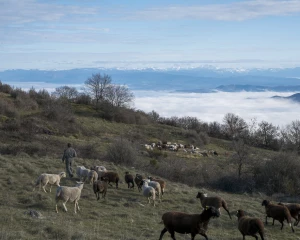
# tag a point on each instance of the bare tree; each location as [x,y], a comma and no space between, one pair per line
[66,92]
[118,95]
[234,125]
[267,134]
[97,85]
[154,116]
[241,157]
[292,135]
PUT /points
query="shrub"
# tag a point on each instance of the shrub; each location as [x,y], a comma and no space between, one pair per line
[122,152]
[280,174]
[58,110]
[5,88]
[7,108]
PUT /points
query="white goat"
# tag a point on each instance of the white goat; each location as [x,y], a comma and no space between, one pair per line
[82,173]
[52,179]
[71,194]
[148,192]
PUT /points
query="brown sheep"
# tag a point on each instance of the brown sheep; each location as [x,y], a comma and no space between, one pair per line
[188,223]
[250,226]
[216,202]
[100,187]
[294,209]
[277,212]
[139,181]
[129,180]
[112,177]
[161,182]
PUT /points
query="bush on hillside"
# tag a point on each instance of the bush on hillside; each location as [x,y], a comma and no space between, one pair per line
[58,110]
[280,174]
[121,151]
[7,108]
[5,88]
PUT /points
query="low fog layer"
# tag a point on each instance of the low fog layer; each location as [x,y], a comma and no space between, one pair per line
[211,107]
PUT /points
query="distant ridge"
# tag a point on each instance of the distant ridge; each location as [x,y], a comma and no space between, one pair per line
[295,97]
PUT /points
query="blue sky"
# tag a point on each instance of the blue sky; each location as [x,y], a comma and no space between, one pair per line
[72,34]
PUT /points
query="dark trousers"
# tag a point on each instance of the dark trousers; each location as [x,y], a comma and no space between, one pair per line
[69,169]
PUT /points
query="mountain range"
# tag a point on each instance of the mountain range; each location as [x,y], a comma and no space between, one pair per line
[180,80]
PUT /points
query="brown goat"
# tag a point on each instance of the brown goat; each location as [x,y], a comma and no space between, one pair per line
[129,180]
[216,202]
[112,177]
[277,212]
[250,226]
[294,209]
[188,223]
[100,187]
[161,182]
[139,181]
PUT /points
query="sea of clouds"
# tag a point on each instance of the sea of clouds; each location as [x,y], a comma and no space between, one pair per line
[207,107]
[211,107]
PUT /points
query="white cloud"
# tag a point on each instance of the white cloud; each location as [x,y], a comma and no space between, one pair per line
[211,107]
[237,11]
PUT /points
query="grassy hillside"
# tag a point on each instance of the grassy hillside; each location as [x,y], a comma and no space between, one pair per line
[125,213]
[32,143]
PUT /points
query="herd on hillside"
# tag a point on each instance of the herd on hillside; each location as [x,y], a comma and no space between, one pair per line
[173,222]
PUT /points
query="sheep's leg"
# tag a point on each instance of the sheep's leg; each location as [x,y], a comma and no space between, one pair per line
[281,225]
[56,208]
[50,187]
[75,206]
[256,237]
[64,205]
[78,206]
[44,187]
[297,221]
[204,235]
[148,200]
[162,233]
[228,212]
[273,221]
[173,235]
[266,220]
[291,227]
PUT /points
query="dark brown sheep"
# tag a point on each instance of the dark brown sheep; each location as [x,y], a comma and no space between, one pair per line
[139,181]
[161,182]
[100,187]
[188,223]
[129,180]
[112,177]
[250,226]
[294,209]
[216,202]
[277,212]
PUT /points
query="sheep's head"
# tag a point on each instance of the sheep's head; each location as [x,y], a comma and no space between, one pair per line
[63,174]
[211,211]
[79,184]
[240,213]
[265,203]
[201,195]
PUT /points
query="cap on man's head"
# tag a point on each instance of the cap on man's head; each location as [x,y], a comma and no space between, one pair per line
[69,145]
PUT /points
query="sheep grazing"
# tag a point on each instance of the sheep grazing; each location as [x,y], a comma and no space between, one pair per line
[250,225]
[148,192]
[129,180]
[99,168]
[294,209]
[92,176]
[139,181]
[188,223]
[71,194]
[277,212]
[52,179]
[82,173]
[100,187]
[216,202]
[112,177]
[161,182]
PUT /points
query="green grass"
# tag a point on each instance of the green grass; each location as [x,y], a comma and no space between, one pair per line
[125,213]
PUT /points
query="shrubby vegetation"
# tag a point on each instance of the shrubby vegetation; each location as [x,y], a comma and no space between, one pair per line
[259,156]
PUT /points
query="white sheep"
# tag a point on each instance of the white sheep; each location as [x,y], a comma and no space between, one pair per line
[52,179]
[92,176]
[148,192]
[82,173]
[156,186]
[71,194]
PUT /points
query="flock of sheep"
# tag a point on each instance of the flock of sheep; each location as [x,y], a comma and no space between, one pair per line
[173,221]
